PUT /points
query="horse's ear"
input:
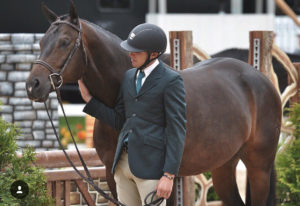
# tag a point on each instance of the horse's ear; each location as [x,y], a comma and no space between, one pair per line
[50,15]
[73,13]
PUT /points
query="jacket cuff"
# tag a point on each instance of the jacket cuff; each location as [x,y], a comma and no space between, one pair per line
[91,106]
[171,169]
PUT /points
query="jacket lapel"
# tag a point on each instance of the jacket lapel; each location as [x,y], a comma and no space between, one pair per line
[132,84]
[151,80]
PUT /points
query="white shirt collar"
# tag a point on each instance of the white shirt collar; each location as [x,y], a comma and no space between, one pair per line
[150,68]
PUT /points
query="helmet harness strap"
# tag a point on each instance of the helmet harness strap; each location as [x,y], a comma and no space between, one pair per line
[148,60]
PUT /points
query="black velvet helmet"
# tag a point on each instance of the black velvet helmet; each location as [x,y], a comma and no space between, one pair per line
[146,37]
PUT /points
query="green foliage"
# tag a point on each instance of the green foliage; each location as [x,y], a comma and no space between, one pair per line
[295,119]
[211,195]
[288,166]
[14,168]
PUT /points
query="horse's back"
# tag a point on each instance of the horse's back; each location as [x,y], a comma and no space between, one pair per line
[228,78]
[222,96]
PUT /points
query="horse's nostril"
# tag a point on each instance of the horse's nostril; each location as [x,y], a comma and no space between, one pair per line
[36,83]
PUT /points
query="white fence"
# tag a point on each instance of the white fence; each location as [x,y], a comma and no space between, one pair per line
[216,32]
[287,34]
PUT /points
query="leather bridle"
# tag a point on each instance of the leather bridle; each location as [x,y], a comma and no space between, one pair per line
[53,72]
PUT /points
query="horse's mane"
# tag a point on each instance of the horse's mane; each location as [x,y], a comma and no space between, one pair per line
[96,27]
[102,30]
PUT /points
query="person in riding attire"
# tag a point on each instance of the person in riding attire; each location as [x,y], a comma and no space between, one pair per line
[150,111]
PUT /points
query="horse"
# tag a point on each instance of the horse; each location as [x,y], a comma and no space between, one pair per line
[233,111]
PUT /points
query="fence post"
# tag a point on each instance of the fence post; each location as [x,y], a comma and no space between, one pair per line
[260,55]
[296,98]
[181,45]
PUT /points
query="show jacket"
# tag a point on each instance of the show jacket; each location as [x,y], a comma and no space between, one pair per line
[153,120]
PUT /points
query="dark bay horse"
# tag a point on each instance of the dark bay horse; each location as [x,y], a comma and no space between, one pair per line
[233,111]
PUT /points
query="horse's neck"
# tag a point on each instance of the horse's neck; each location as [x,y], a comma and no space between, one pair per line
[107,64]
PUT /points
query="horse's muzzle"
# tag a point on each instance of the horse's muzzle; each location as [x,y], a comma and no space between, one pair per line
[37,90]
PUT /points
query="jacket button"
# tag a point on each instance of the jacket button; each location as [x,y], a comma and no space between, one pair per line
[136,99]
[130,131]
[133,115]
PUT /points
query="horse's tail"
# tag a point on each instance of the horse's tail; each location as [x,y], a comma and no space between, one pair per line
[271,201]
[272,193]
[248,195]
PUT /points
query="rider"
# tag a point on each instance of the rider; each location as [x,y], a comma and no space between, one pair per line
[150,112]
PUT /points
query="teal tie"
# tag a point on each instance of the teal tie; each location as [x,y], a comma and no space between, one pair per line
[139,81]
[138,87]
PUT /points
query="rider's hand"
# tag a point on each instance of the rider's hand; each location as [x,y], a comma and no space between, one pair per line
[164,187]
[86,96]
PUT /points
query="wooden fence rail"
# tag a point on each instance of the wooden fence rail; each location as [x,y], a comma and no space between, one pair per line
[59,180]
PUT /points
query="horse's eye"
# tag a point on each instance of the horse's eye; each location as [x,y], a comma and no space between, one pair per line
[64,43]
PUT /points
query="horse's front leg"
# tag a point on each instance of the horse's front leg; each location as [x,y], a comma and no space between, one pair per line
[111,181]
[105,141]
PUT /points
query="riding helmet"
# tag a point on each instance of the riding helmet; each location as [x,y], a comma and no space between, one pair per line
[146,37]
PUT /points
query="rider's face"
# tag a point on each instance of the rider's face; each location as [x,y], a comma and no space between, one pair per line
[138,58]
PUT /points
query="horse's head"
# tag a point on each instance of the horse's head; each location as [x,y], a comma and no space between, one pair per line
[62,57]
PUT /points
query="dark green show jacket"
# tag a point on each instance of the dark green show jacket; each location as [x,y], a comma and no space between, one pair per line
[153,120]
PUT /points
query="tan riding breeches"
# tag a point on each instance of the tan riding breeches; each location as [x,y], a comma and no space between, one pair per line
[132,190]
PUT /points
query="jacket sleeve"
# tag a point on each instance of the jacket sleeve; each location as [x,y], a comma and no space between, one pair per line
[114,117]
[175,131]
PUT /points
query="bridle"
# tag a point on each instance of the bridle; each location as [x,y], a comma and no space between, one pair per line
[53,72]
[56,85]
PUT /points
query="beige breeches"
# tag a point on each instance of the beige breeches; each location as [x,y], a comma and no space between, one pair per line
[132,190]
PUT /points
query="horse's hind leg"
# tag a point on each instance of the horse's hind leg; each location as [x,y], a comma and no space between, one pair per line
[258,173]
[272,193]
[258,155]
[224,181]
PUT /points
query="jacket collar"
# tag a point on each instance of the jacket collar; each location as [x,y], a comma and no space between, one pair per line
[149,83]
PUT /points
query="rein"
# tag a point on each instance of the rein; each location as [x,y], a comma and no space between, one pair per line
[56,85]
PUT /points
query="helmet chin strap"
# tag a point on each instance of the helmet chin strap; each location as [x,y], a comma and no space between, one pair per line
[148,60]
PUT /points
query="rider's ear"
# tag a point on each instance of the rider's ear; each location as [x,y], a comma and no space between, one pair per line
[73,13]
[50,15]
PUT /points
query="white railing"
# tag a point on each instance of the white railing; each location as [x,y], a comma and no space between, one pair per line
[286,34]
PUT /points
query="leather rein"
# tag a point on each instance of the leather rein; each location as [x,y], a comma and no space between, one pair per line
[55,86]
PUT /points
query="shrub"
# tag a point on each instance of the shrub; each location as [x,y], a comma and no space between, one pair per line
[288,165]
[14,168]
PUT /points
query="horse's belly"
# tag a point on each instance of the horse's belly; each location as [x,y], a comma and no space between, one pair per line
[218,124]
[211,144]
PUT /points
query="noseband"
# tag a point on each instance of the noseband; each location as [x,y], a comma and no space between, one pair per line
[77,44]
